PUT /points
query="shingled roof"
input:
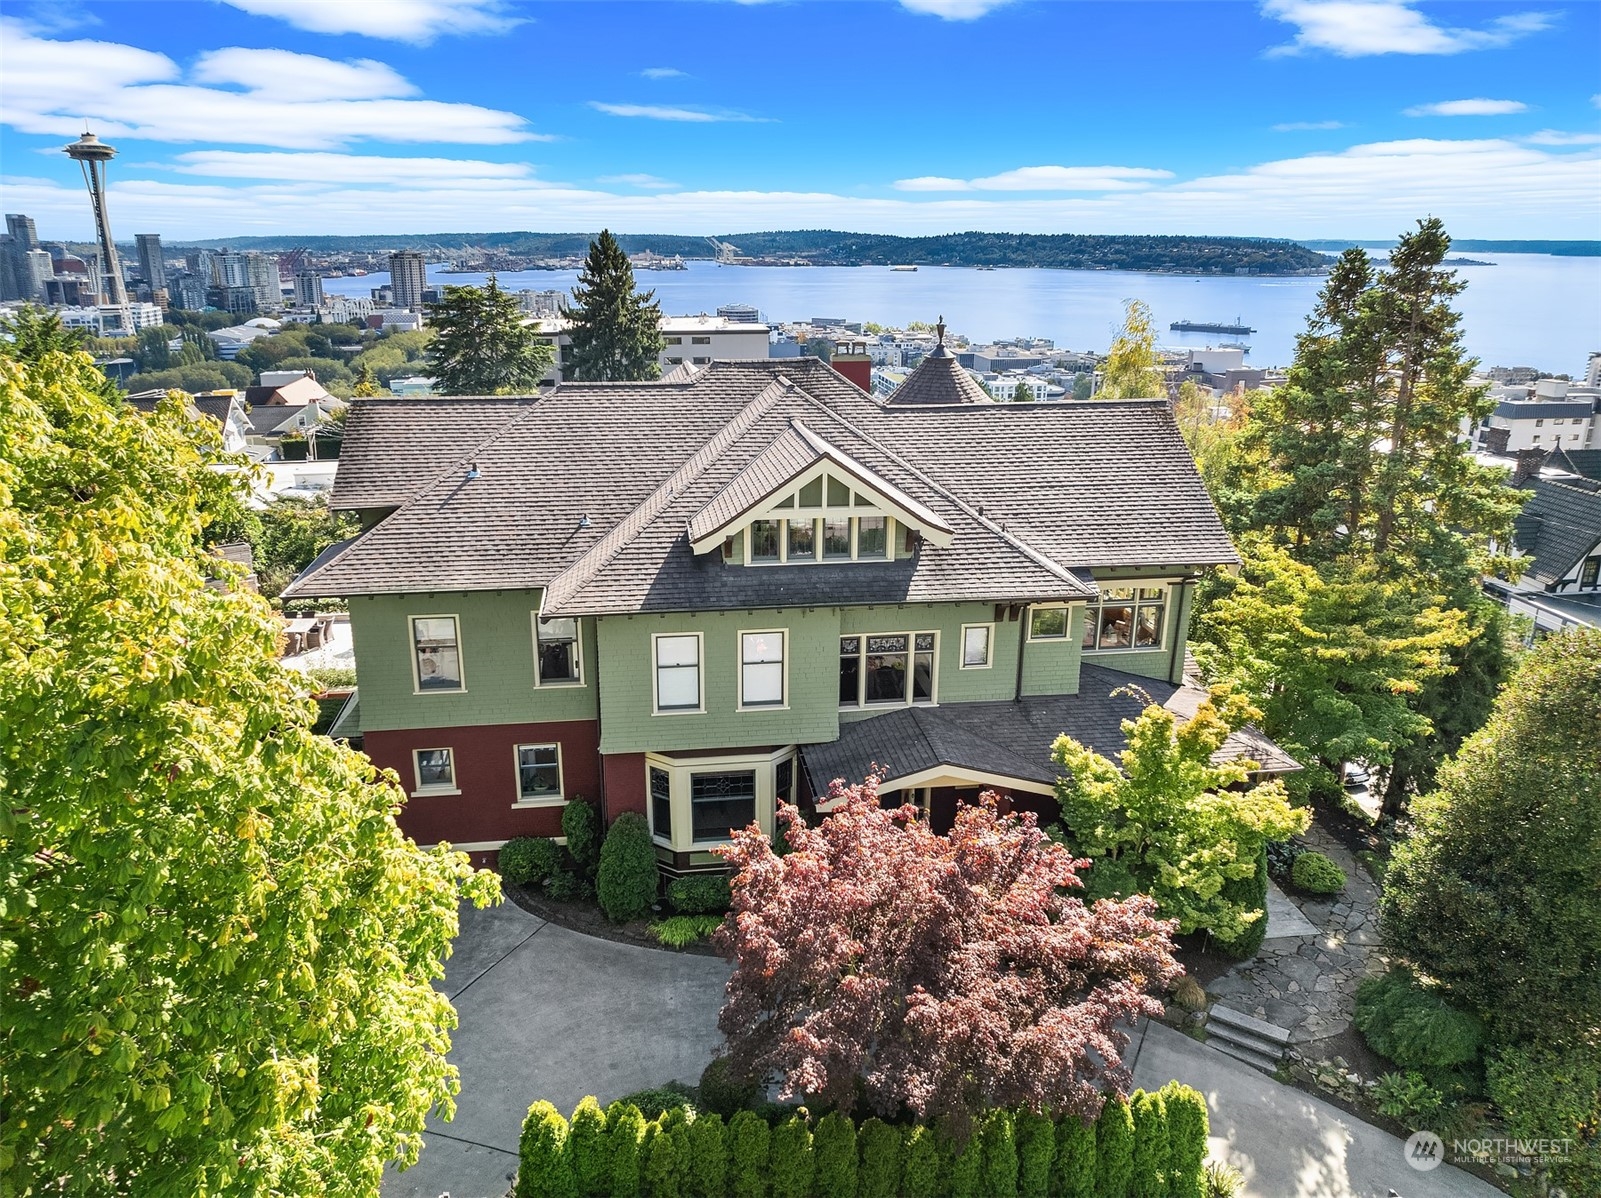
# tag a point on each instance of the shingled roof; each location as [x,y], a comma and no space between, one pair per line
[939,379]
[590,489]
[1559,526]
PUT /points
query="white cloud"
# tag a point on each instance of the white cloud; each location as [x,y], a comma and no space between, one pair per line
[416,21]
[1307,126]
[1044,178]
[663,73]
[1555,137]
[1475,107]
[663,112]
[283,99]
[1354,28]
[954,10]
[316,168]
[646,182]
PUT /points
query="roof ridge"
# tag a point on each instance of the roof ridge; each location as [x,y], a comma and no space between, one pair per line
[566,584]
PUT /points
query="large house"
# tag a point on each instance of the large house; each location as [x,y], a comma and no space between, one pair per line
[695,598]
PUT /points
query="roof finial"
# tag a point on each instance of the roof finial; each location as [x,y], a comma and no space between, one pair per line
[939,330]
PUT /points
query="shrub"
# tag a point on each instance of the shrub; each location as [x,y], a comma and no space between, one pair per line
[1251,894]
[999,1140]
[567,887]
[923,1169]
[1281,855]
[544,1168]
[1222,1180]
[834,1149]
[658,1100]
[626,882]
[1189,994]
[529,860]
[659,1164]
[1073,1171]
[580,824]
[1151,1150]
[1187,1127]
[680,931]
[967,1170]
[699,894]
[1114,1150]
[1417,1029]
[1316,873]
[722,1092]
[749,1146]
[880,1172]
[790,1154]
[708,1158]
[676,1123]
[1036,1147]
[1553,1091]
[590,1149]
[627,1130]
[1409,1098]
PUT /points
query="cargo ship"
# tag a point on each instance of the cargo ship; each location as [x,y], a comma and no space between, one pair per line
[1203,326]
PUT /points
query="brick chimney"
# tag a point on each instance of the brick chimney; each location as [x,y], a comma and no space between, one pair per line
[1496,438]
[1529,463]
[851,360]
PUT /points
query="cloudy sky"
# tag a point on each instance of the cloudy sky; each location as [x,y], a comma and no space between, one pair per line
[1297,118]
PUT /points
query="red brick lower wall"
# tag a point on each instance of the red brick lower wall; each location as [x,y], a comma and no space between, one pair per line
[486,775]
[624,778]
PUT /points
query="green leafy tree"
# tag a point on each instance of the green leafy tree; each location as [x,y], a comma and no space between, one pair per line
[1552,1091]
[793,1162]
[481,346]
[748,1146]
[998,1137]
[616,331]
[287,535]
[1132,369]
[1152,1152]
[1023,394]
[217,944]
[154,352]
[1187,1127]
[880,1175]
[834,1146]
[1169,822]
[1036,1149]
[366,382]
[708,1157]
[627,1134]
[1083,385]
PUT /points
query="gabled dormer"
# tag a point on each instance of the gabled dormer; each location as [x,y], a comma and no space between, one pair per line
[806,501]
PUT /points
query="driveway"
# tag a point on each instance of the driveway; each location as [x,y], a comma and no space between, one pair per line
[549,1013]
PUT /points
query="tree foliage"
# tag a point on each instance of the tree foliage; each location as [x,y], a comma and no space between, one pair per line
[940,974]
[1132,369]
[284,537]
[481,346]
[1169,821]
[217,946]
[616,331]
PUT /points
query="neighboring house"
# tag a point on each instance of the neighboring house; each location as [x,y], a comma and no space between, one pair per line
[1550,414]
[1558,533]
[222,407]
[687,341]
[761,580]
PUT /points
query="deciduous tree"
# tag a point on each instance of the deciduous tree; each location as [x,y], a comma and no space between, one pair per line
[481,345]
[936,974]
[1132,369]
[616,331]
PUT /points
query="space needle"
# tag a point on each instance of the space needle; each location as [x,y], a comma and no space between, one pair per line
[92,155]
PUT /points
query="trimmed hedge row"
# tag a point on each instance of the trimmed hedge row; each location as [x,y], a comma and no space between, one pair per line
[1152,1146]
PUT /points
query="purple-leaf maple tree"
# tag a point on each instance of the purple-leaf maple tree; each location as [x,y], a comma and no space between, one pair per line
[939,974]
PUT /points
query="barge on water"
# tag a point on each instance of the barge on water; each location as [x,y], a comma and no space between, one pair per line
[1203,326]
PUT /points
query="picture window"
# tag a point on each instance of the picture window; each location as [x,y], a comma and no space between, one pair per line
[1047,624]
[720,803]
[1126,618]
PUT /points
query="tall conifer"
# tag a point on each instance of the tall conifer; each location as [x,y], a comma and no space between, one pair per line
[616,330]
[481,345]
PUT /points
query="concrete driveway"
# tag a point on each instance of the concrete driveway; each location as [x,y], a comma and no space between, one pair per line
[549,1013]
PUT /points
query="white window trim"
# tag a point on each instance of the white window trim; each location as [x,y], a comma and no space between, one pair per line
[578,651]
[420,790]
[679,772]
[861,676]
[818,558]
[1167,586]
[461,657]
[739,658]
[700,675]
[560,798]
[989,648]
[1067,623]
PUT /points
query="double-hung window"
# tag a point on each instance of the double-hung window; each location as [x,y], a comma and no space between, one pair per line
[556,651]
[539,773]
[720,803]
[435,771]
[761,669]
[436,653]
[678,673]
[1126,618]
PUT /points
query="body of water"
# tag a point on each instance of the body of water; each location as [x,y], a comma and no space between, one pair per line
[1525,310]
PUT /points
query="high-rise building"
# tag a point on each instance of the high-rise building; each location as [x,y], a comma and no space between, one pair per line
[19,241]
[39,269]
[152,263]
[408,276]
[308,289]
[261,271]
[93,155]
[22,231]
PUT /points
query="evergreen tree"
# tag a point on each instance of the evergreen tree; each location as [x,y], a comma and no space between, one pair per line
[616,331]
[481,345]
[366,382]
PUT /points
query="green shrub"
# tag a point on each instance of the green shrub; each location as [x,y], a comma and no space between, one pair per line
[1417,1029]
[658,1100]
[1114,1150]
[708,1158]
[1222,1180]
[529,860]
[1073,1171]
[699,894]
[659,1163]
[567,887]
[880,1172]
[590,1149]
[790,1154]
[834,1150]
[967,1169]
[1409,1098]
[1548,1091]
[627,1130]
[544,1168]
[999,1139]
[1251,894]
[923,1167]
[1151,1149]
[1036,1147]
[724,1093]
[580,824]
[749,1149]
[1187,1127]
[1316,873]
[626,882]
[676,1123]
[680,931]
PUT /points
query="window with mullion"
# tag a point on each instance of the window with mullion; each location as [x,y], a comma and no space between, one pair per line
[661,803]
[1126,618]
[887,669]
[677,673]
[761,669]
[538,773]
[721,803]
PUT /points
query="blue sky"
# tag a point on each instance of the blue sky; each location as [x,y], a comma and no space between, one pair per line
[1298,118]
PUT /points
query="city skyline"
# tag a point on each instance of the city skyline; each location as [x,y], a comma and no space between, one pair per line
[1291,118]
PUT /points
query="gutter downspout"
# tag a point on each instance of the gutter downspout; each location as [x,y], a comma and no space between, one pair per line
[1022,644]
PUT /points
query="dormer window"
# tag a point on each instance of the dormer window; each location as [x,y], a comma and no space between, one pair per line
[872,540]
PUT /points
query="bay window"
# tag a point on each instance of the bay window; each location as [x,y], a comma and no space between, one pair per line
[720,803]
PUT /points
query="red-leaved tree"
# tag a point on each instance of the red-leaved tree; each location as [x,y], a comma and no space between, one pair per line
[940,974]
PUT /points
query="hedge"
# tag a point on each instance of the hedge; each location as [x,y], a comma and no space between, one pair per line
[626,882]
[1153,1144]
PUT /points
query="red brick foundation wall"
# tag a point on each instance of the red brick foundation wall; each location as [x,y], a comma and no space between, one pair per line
[486,775]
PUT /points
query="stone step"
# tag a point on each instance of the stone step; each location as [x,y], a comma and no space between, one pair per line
[1257,1058]
[1250,1026]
